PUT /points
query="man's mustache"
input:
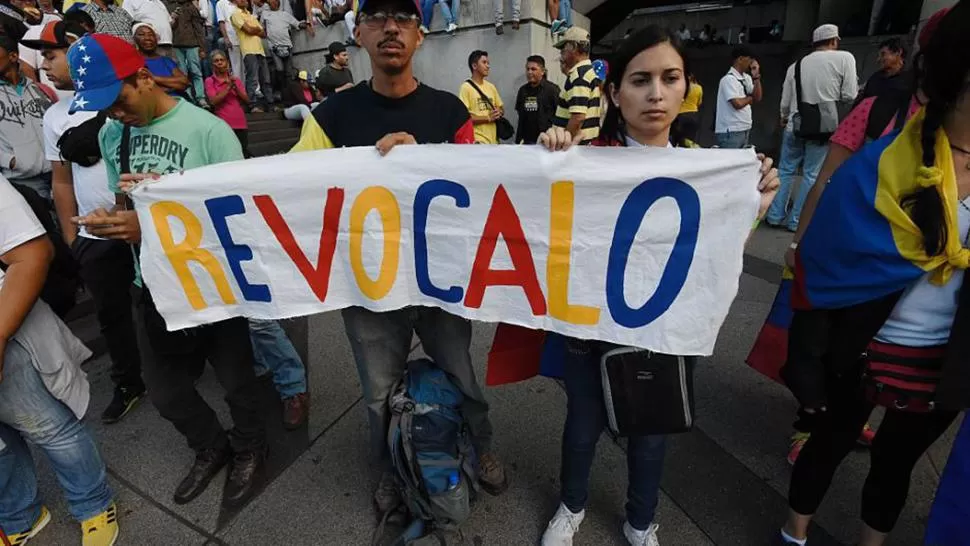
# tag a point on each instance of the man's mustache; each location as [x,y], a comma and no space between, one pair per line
[391,41]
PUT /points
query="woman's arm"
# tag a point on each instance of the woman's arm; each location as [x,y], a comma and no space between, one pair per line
[835,158]
[178,81]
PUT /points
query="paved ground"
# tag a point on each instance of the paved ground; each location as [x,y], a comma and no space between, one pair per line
[724,483]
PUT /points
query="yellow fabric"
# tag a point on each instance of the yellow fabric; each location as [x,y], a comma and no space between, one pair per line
[485,133]
[249,44]
[695,96]
[901,172]
[312,137]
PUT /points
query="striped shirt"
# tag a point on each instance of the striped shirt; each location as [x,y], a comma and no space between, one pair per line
[581,95]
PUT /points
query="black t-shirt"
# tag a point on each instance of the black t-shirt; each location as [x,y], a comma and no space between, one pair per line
[361,117]
[537,109]
[330,78]
[879,84]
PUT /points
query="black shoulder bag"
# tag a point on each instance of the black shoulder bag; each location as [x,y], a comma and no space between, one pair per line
[814,122]
[503,127]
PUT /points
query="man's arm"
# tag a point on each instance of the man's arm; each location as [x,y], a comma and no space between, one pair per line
[787,91]
[65,203]
[178,81]
[23,280]
[850,79]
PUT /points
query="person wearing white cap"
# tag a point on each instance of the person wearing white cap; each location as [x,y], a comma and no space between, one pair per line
[156,13]
[816,83]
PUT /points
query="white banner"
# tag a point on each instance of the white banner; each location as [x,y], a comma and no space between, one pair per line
[641,247]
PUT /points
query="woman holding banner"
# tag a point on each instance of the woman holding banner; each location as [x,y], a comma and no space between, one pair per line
[647,85]
[881,318]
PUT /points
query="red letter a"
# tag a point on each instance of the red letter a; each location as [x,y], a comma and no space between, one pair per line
[503,220]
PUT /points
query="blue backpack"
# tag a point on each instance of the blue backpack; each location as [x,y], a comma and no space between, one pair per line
[430,446]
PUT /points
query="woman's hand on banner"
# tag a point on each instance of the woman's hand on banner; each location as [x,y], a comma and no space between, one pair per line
[559,139]
[391,140]
[769,184]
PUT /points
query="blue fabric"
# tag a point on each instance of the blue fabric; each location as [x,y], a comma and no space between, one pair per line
[273,351]
[566,12]
[795,152]
[29,412]
[162,66]
[554,355]
[947,525]
[732,139]
[848,254]
[450,13]
[585,421]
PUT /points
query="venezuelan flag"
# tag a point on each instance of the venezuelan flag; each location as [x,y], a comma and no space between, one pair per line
[770,349]
[861,244]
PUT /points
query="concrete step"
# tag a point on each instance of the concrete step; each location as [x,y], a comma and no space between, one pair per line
[261,123]
[265,135]
[261,148]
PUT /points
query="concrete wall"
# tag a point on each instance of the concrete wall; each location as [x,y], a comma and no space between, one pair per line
[442,60]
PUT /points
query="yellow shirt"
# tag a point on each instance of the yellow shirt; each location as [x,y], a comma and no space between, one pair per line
[485,133]
[249,44]
[695,96]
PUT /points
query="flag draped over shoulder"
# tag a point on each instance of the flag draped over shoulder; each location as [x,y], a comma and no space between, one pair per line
[861,244]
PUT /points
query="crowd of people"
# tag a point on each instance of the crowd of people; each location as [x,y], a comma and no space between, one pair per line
[155,98]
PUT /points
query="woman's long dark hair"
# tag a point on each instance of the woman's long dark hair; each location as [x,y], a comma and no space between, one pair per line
[944,76]
[631,47]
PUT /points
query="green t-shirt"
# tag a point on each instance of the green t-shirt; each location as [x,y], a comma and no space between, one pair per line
[184,138]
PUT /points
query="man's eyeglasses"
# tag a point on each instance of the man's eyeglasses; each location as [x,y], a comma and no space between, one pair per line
[380,19]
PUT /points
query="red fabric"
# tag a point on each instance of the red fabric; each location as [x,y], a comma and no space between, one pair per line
[769,352]
[515,355]
[851,132]
[51,94]
[465,134]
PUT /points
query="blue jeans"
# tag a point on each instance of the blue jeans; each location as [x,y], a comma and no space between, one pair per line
[732,139]
[273,351]
[585,421]
[566,12]
[29,412]
[450,12]
[795,152]
[381,343]
[189,63]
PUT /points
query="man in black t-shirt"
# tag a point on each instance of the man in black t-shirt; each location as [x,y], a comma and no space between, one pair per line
[336,76]
[393,109]
[892,78]
[536,102]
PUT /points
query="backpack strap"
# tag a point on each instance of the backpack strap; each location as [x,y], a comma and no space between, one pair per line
[482,93]
[798,81]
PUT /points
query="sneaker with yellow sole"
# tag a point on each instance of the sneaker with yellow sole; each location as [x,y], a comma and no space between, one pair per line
[102,529]
[20,539]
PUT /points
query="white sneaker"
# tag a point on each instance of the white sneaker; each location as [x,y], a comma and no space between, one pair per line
[562,527]
[452,28]
[423,29]
[641,538]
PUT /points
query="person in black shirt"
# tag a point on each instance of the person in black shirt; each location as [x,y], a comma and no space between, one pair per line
[892,78]
[394,109]
[336,76]
[536,102]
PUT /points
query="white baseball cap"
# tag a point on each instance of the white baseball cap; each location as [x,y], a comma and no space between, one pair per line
[825,32]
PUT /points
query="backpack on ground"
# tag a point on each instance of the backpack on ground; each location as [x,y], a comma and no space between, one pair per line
[63,278]
[430,445]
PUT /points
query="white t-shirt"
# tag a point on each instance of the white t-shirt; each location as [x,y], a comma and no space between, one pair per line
[734,85]
[33,57]
[53,349]
[90,183]
[153,12]
[923,316]
[224,10]
[827,76]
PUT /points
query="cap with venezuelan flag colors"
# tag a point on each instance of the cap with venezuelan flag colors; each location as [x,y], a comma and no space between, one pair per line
[99,63]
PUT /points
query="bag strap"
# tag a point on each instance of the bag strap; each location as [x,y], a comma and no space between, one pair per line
[798,80]
[482,93]
[125,152]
